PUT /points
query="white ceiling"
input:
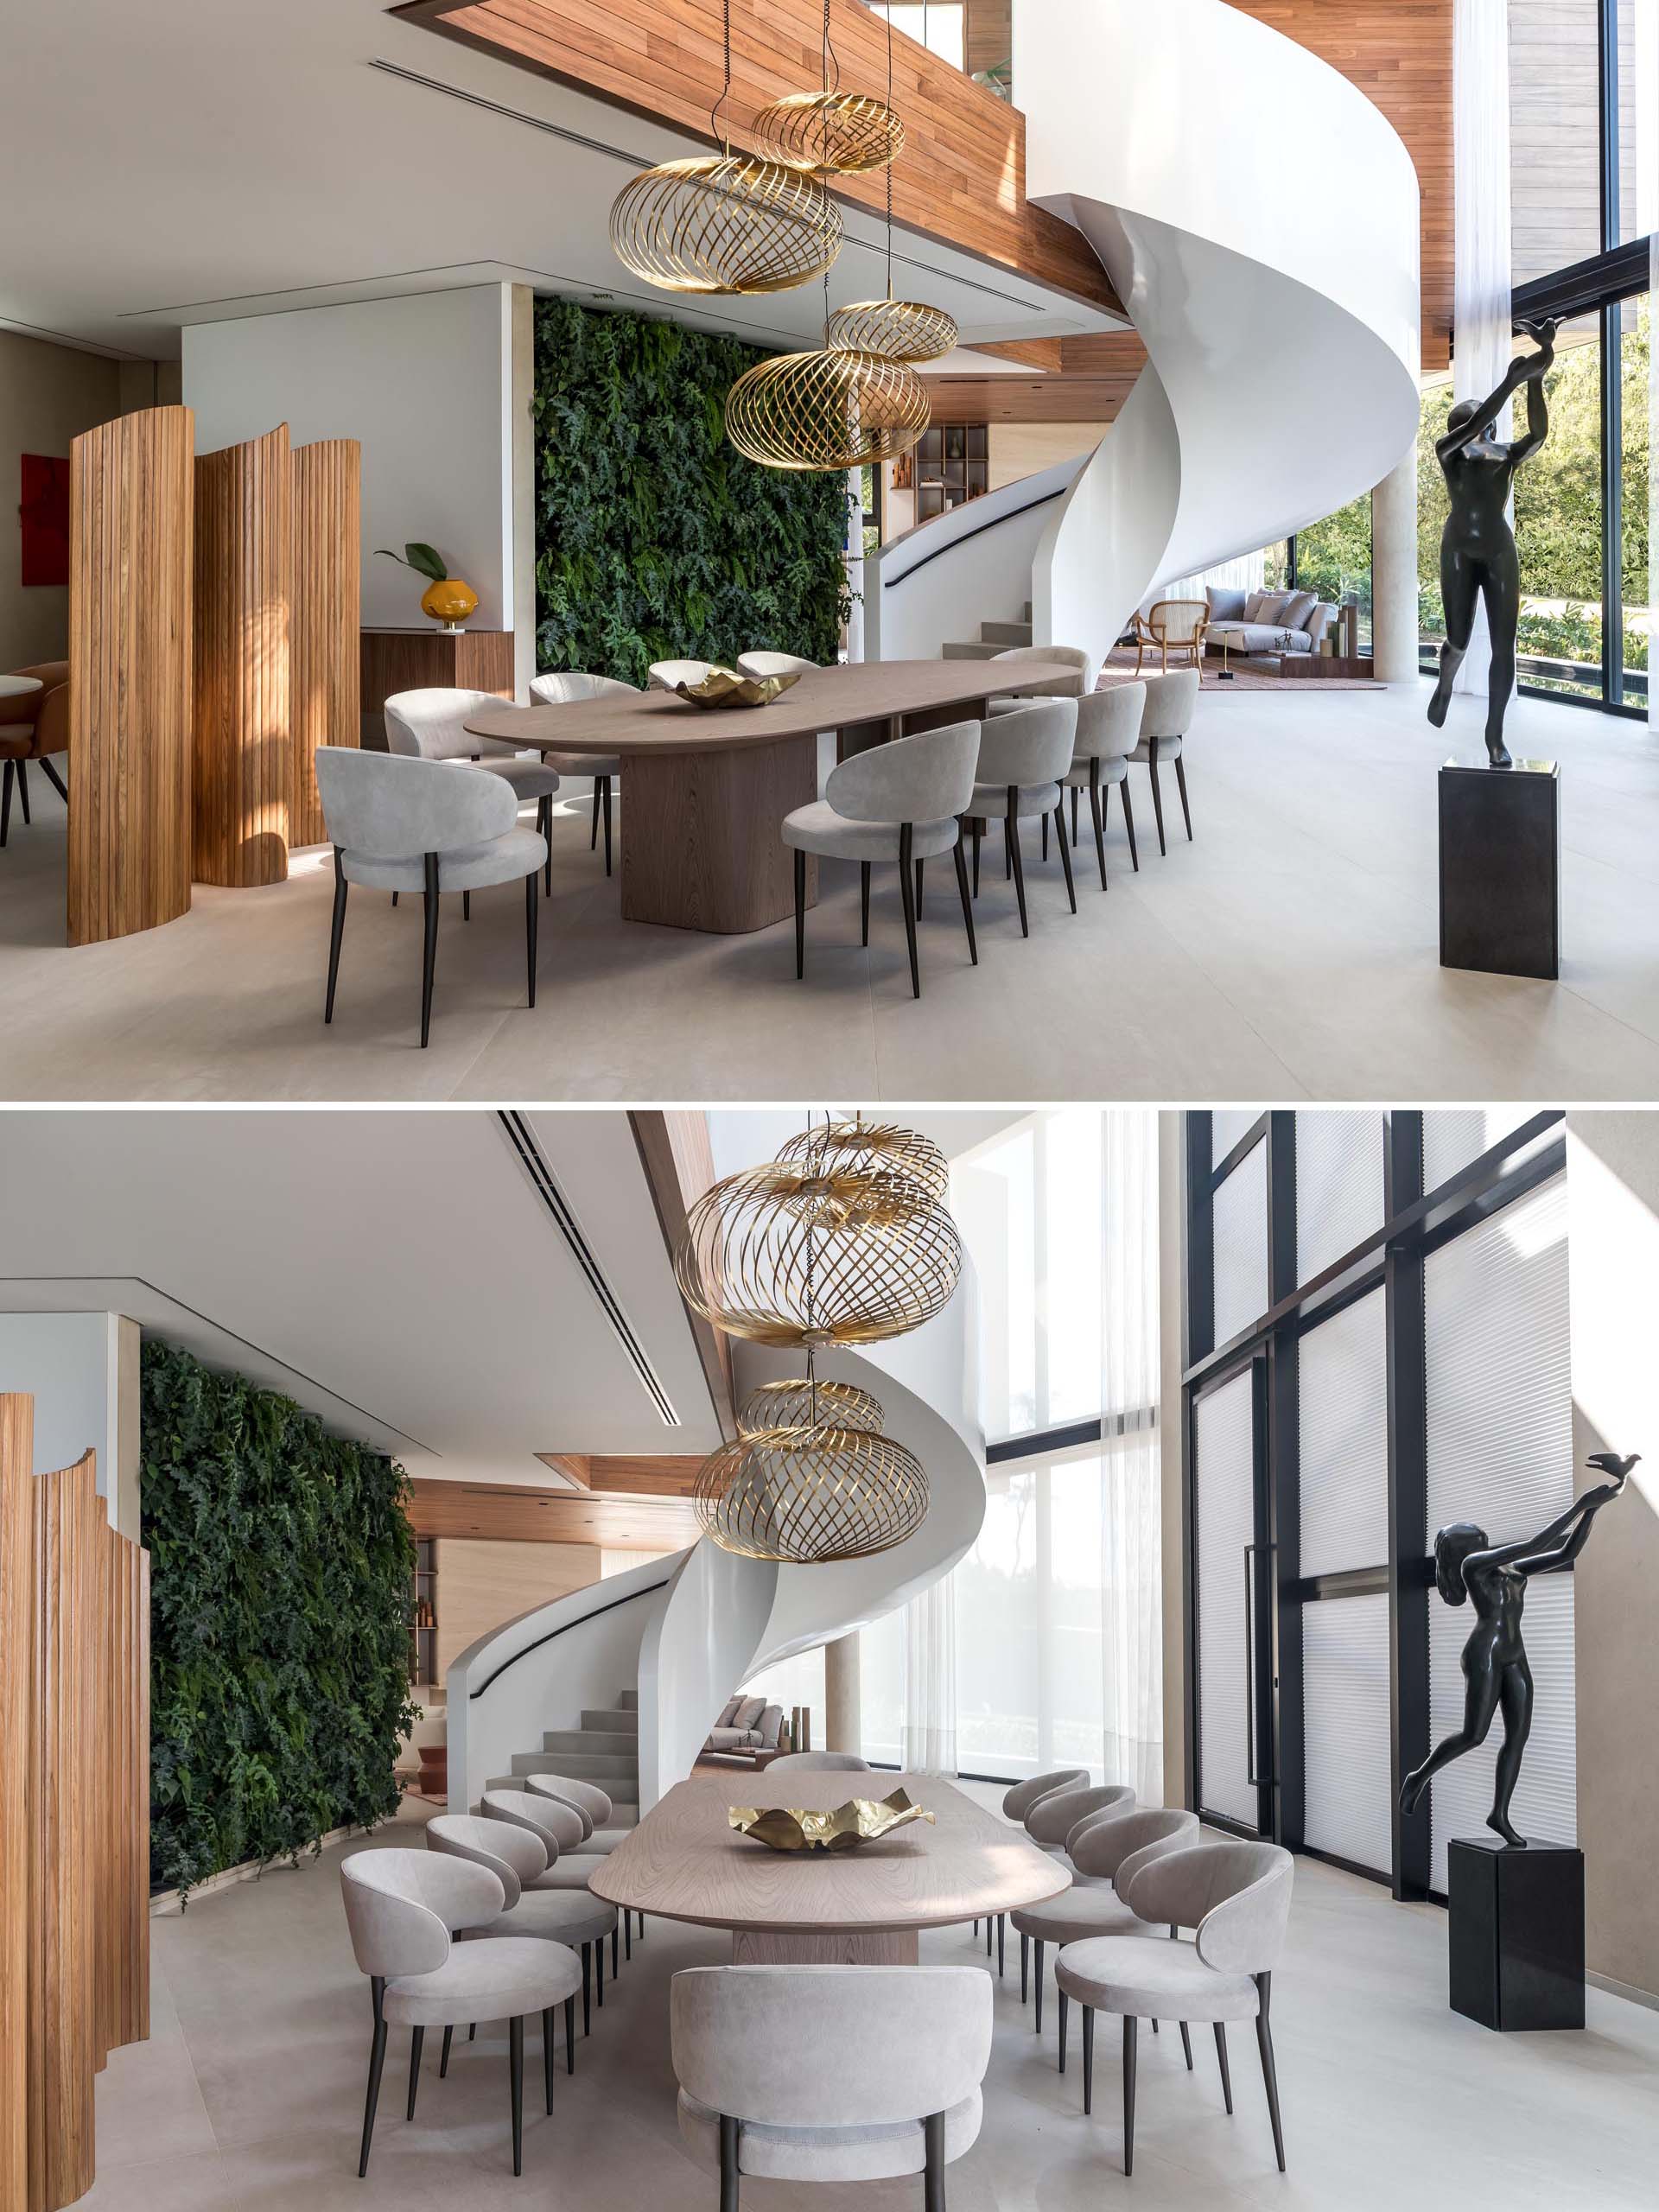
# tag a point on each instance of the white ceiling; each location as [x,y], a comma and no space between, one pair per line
[393,1271]
[749,1136]
[169,162]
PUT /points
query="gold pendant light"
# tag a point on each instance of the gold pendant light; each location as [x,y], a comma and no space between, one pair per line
[900,330]
[879,1148]
[808,1495]
[825,410]
[804,1398]
[830,133]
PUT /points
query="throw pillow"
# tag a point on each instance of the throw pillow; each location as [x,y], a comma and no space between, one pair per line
[748,1711]
[1298,608]
[728,1710]
[1254,605]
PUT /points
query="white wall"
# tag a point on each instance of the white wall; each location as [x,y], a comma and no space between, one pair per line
[48,396]
[82,1371]
[426,384]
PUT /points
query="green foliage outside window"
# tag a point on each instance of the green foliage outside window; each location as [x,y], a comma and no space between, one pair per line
[281,1593]
[655,538]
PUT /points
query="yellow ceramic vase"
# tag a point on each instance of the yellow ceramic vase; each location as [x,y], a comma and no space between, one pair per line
[449,602]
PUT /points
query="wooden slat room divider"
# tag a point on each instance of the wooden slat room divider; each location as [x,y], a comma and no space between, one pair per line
[325,620]
[16,1629]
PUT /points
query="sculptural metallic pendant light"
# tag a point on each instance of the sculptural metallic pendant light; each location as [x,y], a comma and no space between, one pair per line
[725,223]
[862,1147]
[802,1400]
[830,132]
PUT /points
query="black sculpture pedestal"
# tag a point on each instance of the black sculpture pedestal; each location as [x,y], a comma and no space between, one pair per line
[1517,1944]
[1501,868]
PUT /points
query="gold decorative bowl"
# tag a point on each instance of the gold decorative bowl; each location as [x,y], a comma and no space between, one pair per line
[861,1820]
[727,686]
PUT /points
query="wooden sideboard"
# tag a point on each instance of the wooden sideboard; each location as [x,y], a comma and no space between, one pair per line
[412,660]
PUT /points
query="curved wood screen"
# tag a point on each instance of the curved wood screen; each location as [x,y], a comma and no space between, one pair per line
[129,673]
[244,744]
[325,620]
[16,1623]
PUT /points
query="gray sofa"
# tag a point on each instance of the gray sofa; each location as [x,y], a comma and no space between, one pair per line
[748,1724]
[1269,622]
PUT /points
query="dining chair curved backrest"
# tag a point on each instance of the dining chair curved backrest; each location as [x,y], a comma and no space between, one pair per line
[387,807]
[1031,745]
[1109,722]
[558,1826]
[774,665]
[831,2046]
[432,723]
[582,1797]
[821,1762]
[1052,1820]
[1072,656]
[513,1854]
[1171,700]
[401,1907]
[567,687]
[927,778]
[1237,1896]
[1019,1801]
[1102,1845]
[666,674]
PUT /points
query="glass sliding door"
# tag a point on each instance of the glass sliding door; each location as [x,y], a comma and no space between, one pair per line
[1230,1617]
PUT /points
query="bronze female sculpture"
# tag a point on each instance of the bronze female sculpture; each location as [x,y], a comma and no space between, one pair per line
[1495,1659]
[1478,555]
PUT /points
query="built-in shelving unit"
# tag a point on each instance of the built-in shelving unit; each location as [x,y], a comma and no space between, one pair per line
[953,464]
[423,1619]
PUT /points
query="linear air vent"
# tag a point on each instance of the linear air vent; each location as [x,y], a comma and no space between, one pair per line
[533,1161]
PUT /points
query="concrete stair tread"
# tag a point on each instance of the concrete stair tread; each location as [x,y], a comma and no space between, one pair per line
[618,1743]
[619,1721]
[967,649]
[1002,634]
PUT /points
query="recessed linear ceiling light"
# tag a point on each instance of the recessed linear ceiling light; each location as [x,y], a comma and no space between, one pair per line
[534,1161]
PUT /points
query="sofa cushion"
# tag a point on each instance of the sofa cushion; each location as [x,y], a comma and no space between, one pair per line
[1225,605]
[748,1711]
[1265,638]
[1321,619]
[730,1739]
[728,1710]
[1254,605]
[1297,608]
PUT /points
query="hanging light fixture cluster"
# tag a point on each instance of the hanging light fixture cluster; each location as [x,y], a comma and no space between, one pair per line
[842,1239]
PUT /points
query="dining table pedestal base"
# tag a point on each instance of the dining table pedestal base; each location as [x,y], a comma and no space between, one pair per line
[700,844]
[824,1946]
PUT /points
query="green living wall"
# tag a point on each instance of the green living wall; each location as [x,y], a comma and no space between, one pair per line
[655,538]
[281,1581]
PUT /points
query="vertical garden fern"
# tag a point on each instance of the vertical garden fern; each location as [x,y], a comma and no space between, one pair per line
[655,538]
[281,1577]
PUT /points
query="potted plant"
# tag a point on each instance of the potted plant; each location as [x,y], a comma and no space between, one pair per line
[446,599]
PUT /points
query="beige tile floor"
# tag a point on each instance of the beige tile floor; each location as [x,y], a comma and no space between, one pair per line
[1290,952]
[248,2097]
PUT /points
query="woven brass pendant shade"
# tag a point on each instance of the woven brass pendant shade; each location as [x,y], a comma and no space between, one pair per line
[725,223]
[832,133]
[784,1257]
[824,410]
[796,1402]
[810,1495]
[900,330]
[862,1147]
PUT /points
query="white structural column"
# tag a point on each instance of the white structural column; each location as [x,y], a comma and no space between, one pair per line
[1394,574]
[842,1695]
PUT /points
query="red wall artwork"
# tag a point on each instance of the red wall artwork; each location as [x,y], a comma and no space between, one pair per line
[45,517]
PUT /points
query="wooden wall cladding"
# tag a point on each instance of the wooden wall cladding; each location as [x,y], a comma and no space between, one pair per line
[130,692]
[17,1627]
[244,587]
[325,619]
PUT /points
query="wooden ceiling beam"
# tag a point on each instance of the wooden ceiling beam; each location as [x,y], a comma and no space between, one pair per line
[515,1513]
[633,1474]
[678,1158]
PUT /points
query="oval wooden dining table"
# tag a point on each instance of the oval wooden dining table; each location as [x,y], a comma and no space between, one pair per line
[707,789]
[862,1907]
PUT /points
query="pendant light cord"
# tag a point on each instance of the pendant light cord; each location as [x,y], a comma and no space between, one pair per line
[888,170]
[724,137]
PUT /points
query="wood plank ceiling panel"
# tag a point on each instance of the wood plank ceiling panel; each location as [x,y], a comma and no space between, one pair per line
[520,1514]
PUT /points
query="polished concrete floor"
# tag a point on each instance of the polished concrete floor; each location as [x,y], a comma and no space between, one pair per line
[1291,951]
[249,2095]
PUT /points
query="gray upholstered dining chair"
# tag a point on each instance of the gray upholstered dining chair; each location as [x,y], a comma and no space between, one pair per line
[896,802]
[663,675]
[774,665]
[1171,701]
[431,826]
[1061,688]
[837,2073]
[1016,1803]
[1055,1818]
[1022,756]
[1109,730]
[518,1859]
[569,687]
[402,1909]
[431,725]
[558,1828]
[821,1762]
[1236,1898]
[1099,1847]
[596,1809]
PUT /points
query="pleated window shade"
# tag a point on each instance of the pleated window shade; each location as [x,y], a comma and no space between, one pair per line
[1239,1230]
[1500,1454]
[1344,1438]
[1227,1125]
[1346,1730]
[1223,1485]
[1339,1192]
[1453,1137]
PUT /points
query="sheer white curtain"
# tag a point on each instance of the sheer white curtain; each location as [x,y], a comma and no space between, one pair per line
[1480,81]
[929,1745]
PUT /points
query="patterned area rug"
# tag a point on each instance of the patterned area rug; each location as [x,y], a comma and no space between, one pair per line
[1120,669]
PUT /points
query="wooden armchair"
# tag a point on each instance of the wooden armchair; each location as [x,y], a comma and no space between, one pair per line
[1174,626]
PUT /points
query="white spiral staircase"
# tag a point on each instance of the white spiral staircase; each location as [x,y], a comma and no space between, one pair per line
[1187,141]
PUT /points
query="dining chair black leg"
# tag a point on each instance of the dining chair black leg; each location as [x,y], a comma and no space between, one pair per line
[1157,798]
[544,824]
[429,950]
[599,1973]
[1008,855]
[531,891]
[1129,2026]
[417,2038]
[1002,1942]
[1011,832]
[472,2030]
[1063,2007]
[615,1940]
[1180,784]
[1221,2053]
[1044,837]
[22,791]
[376,2060]
[593,840]
[1094,815]
[907,889]
[1269,2072]
[1024,1968]
[336,932]
[586,1988]
[627,1935]
[547,2056]
[465,906]
[516,2070]
[5,801]
[604,787]
[1037,1966]
[978,828]
[1061,840]
[728,2180]
[1074,795]
[933,2167]
[1128,823]
[800,914]
[920,865]
[1088,2059]
[570,2035]
[56,780]
[443,2056]
[864,901]
[967,902]
[1155,2027]
[1186,2045]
